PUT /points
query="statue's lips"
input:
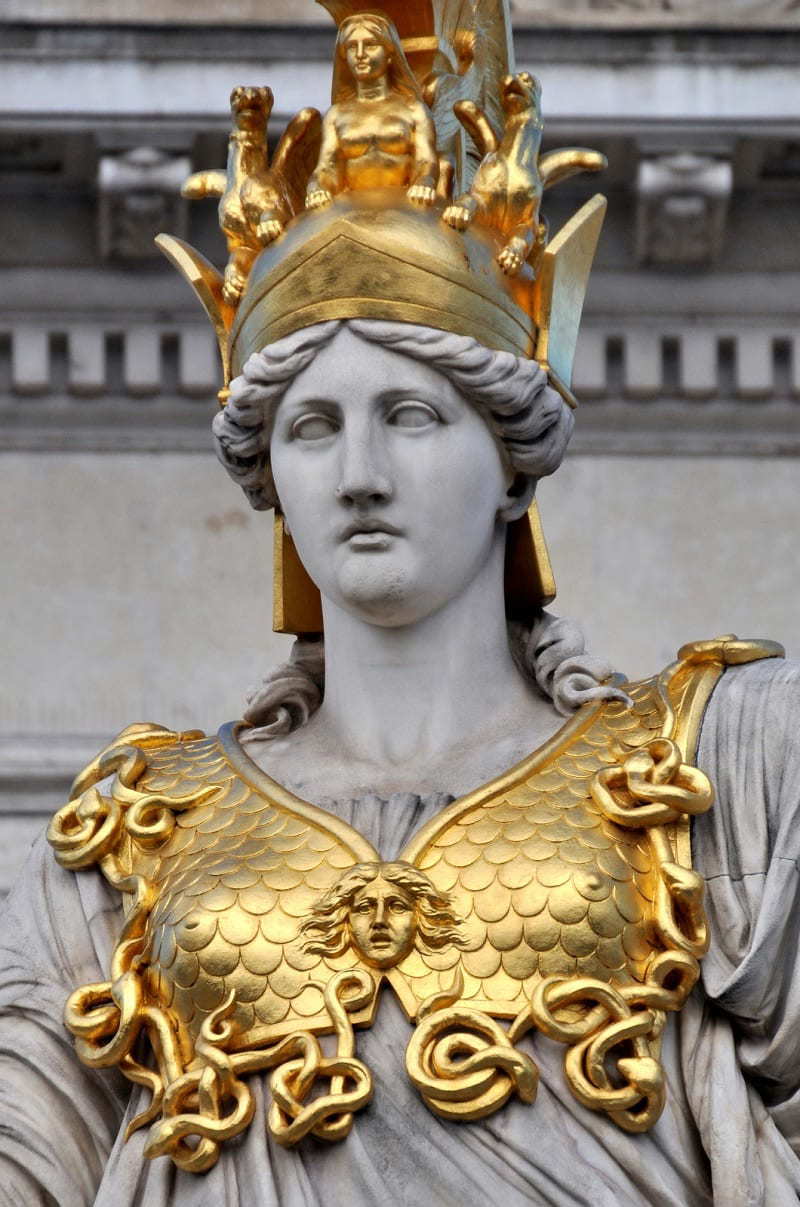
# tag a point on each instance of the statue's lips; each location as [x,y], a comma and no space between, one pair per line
[369,534]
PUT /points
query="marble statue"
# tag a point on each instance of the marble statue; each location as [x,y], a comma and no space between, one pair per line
[455,914]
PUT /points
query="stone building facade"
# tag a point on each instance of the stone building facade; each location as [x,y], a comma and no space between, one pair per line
[137,583]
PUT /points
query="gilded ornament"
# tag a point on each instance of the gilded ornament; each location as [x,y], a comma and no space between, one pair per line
[507,188]
[352,226]
[257,198]
[378,133]
[558,898]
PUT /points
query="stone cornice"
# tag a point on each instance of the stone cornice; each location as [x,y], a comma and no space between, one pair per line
[270,44]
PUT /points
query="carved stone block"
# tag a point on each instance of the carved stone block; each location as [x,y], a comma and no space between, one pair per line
[138,196]
[736,13]
[682,206]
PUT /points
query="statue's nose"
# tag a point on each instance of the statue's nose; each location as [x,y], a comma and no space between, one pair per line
[365,478]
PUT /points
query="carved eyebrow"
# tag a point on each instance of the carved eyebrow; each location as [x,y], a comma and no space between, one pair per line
[409,393]
[313,402]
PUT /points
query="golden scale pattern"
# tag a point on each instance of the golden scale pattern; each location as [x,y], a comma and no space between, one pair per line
[545,886]
[579,916]
[237,879]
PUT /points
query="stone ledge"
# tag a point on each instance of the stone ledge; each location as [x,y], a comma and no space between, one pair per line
[35,763]
[36,23]
[35,776]
[271,43]
[84,382]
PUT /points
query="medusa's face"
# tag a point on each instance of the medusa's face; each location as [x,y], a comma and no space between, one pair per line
[382,922]
[390,481]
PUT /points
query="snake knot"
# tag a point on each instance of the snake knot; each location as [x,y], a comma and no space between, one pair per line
[465,1066]
[651,787]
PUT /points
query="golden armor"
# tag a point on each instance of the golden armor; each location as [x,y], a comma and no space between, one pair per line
[559,898]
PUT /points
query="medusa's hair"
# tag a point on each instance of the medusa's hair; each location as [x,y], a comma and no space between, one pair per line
[437,925]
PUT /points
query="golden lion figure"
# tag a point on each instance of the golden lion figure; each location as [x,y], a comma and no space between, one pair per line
[507,190]
[257,198]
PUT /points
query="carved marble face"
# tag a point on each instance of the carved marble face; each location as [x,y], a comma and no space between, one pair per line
[390,481]
[382,922]
[367,57]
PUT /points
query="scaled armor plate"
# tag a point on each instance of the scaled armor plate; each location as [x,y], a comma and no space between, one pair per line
[559,897]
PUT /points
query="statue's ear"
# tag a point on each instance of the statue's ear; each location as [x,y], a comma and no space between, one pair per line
[519,496]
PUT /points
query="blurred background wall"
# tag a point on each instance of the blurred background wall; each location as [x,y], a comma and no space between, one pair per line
[136,581]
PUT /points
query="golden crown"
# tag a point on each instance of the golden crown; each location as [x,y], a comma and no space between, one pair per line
[416,198]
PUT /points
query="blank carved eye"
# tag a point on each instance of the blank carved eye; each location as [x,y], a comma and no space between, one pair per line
[314,427]
[412,415]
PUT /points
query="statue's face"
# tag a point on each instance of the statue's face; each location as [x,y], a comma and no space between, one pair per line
[366,55]
[390,481]
[382,922]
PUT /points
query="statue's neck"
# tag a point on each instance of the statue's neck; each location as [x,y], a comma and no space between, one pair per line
[375,90]
[395,696]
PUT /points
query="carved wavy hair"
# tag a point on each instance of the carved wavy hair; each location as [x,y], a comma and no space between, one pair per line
[436,924]
[529,419]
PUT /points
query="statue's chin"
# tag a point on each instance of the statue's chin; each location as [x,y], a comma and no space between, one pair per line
[385,955]
[382,593]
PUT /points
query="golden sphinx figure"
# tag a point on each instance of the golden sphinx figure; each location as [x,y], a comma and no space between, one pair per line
[427,924]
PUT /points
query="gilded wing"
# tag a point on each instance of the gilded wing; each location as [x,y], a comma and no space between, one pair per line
[479,36]
[211,182]
[297,153]
[235,883]
[543,883]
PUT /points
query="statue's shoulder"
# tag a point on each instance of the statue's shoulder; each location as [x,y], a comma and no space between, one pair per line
[681,692]
[751,688]
[729,650]
[132,790]
[154,757]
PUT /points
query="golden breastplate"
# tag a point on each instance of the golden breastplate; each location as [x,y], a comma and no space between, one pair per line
[559,897]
